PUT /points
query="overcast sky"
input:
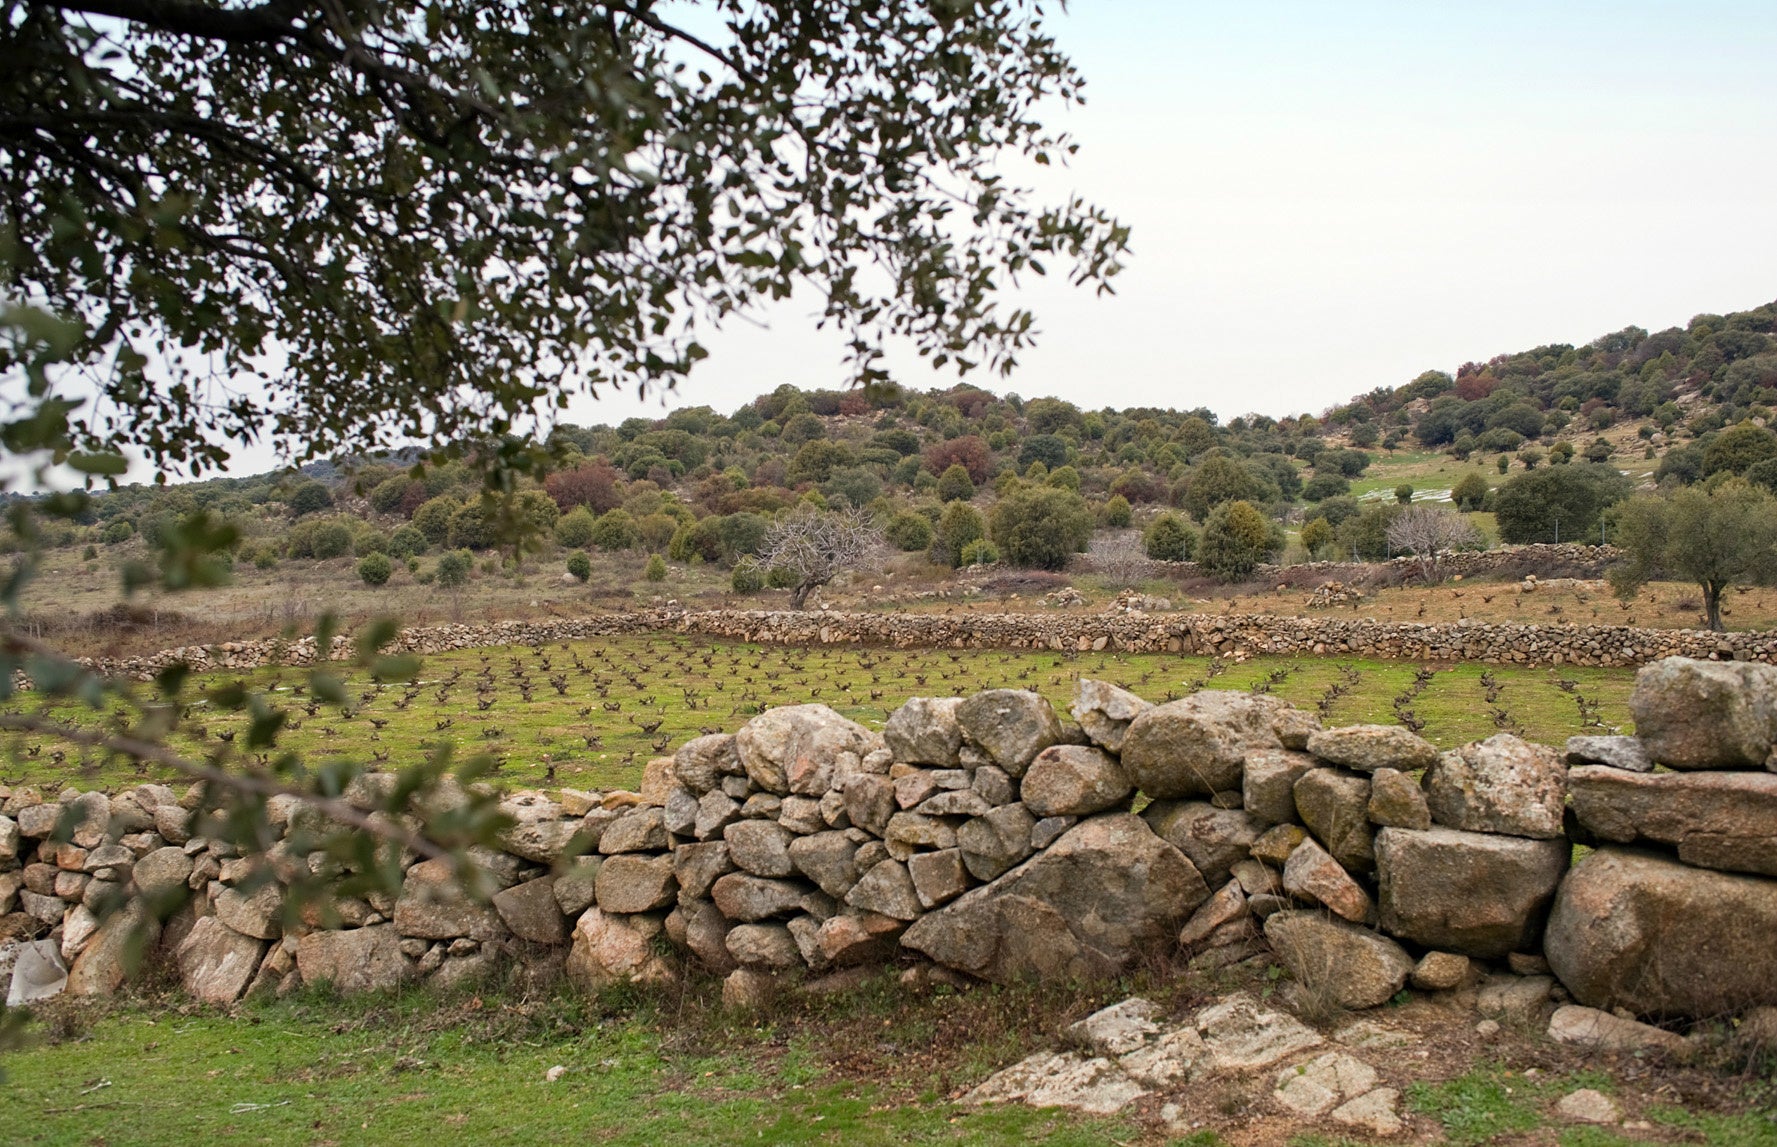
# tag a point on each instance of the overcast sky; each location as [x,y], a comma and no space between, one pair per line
[1328,198]
[1331,197]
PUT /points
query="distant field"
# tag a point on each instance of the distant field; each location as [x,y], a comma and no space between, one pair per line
[596,711]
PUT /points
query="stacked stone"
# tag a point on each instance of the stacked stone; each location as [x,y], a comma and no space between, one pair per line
[1342,847]
[134,869]
[806,841]
[1675,912]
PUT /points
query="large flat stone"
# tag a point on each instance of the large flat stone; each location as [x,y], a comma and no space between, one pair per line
[1503,784]
[1725,820]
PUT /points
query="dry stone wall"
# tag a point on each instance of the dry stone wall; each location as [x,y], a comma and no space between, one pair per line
[1130,631]
[988,838]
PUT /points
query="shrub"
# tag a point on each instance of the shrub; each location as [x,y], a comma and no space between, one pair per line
[616,530]
[1325,486]
[375,569]
[980,552]
[908,531]
[1038,527]
[453,569]
[120,530]
[1115,512]
[1236,538]
[1403,493]
[574,529]
[747,576]
[1469,492]
[433,518]
[405,542]
[1169,539]
[1317,536]
[742,533]
[470,528]
[656,570]
[960,524]
[955,485]
[367,539]
[310,498]
[580,565]
[89,553]
[319,539]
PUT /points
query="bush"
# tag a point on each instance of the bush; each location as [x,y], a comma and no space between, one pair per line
[955,485]
[656,570]
[319,539]
[1169,539]
[1236,538]
[574,529]
[375,569]
[120,530]
[1366,535]
[780,577]
[470,528]
[1115,512]
[616,530]
[960,524]
[453,569]
[747,577]
[89,553]
[310,498]
[908,531]
[406,542]
[1325,486]
[980,552]
[367,539]
[1470,491]
[1038,527]
[433,518]
[1317,536]
[1403,493]
[580,565]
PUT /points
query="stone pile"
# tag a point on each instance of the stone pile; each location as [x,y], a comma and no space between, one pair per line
[1332,594]
[997,841]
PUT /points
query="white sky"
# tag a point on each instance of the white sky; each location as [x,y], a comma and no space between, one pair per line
[1328,198]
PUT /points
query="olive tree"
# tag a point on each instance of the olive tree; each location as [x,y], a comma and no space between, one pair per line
[1717,538]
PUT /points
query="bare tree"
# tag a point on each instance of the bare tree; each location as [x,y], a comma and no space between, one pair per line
[818,545]
[1120,558]
[1425,532]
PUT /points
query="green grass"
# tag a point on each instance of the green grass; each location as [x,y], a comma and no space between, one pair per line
[313,1070]
[592,704]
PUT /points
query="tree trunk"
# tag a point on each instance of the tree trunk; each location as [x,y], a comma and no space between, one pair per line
[1712,604]
[799,595]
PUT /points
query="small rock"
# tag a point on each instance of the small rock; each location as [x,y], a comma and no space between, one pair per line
[1440,971]
[1588,1106]
[1375,1112]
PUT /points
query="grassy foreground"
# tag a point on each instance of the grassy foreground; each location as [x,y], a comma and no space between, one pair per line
[590,714]
[420,1068]
[876,1063]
